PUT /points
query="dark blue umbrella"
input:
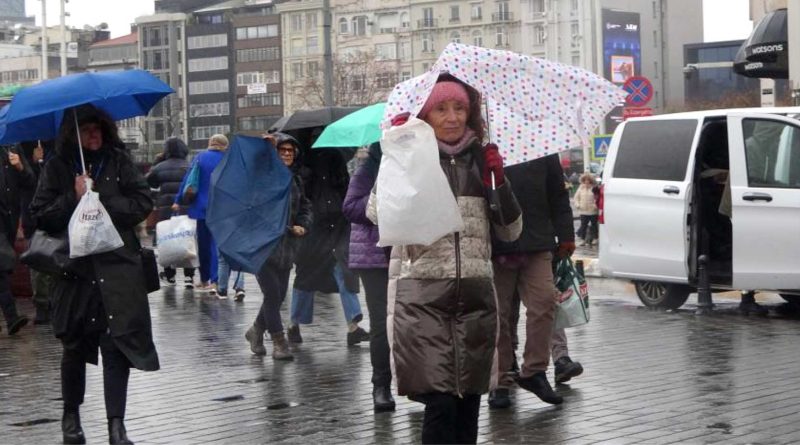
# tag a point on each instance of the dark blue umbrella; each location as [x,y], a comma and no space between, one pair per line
[36,112]
[248,208]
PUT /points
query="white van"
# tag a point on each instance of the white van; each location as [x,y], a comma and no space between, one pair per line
[666,199]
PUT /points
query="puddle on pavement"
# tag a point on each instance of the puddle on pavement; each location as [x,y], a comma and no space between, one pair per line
[229,398]
[725,427]
[282,405]
[710,373]
[33,422]
[256,380]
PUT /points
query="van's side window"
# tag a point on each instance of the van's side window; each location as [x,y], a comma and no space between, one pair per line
[772,150]
[656,149]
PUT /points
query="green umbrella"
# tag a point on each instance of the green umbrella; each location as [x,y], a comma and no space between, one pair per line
[354,130]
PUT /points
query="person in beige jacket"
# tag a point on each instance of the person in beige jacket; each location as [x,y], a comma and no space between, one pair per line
[586,207]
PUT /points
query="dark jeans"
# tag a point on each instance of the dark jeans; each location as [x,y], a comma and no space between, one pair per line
[588,228]
[116,370]
[450,419]
[169,272]
[375,284]
[274,284]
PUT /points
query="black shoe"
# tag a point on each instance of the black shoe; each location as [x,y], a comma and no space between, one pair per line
[117,433]
[17,324]
[293,334]
[751,307]
[499,399]
[165,279]
[567,369]
[239,296]
[357,336]
[539,385]
[382,399]
[71,428]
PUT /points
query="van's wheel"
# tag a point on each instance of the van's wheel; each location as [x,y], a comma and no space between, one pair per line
[662,295]
[794,299]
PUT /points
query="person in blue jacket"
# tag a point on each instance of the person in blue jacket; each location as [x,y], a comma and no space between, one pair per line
[207,249]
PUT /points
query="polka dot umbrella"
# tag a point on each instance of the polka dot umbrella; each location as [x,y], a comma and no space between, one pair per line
[534,107]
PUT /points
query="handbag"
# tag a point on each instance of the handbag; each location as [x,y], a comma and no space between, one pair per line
[573,299]
[192,185]
[8,257]
[47,253]
[150,270]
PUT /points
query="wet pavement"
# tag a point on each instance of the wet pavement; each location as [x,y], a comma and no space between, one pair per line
[651,377]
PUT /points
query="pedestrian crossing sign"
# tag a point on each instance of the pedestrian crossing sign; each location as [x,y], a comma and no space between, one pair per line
[600,144]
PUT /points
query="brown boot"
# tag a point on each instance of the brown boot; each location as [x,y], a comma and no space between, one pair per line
[280,347]
[255,337]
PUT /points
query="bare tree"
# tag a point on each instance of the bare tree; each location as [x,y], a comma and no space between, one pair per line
[358,79]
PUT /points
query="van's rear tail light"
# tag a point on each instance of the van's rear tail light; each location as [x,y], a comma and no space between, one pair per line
[600,201]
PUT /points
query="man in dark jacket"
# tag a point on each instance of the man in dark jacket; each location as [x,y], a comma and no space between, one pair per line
[525,267]
[15,175]
[167,176]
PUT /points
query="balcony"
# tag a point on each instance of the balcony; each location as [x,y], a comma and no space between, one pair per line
[502,17]
[428,23]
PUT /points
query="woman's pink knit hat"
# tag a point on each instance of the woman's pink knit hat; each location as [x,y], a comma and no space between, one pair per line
[442,91]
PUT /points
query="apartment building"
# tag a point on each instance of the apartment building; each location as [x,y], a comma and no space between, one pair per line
[302,43]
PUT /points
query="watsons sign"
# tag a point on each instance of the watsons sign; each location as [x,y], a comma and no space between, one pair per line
[766,49]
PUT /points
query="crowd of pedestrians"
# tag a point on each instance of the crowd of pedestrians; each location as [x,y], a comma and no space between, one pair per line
[431,309]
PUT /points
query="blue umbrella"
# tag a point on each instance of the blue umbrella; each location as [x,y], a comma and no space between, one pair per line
[248,207]
[36,112]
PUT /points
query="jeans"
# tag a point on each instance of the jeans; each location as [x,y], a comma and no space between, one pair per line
[375,284]
[450,419]
[302,311]
[588,228]
[116,370]
[224,276]
[207,251]
[274,284]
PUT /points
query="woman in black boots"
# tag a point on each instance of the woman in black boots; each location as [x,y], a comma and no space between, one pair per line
[98,302]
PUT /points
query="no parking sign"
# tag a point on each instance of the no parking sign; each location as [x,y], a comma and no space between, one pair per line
[640,91]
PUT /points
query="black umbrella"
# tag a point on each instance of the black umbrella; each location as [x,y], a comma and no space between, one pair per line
[769,39]
[311,118]
[778,69]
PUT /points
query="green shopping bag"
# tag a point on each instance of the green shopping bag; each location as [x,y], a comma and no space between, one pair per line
[573,299]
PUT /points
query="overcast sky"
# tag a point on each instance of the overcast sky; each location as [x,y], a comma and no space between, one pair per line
[724,19]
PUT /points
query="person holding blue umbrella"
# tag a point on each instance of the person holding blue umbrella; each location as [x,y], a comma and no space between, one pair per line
[100,303]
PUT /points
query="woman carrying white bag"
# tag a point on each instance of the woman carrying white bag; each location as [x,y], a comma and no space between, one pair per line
[442,320]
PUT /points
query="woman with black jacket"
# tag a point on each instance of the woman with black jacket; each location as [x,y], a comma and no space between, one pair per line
[273,278]
[102,302]
[167,176]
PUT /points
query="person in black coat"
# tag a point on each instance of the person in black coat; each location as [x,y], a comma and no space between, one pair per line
[167,176]
[102,302]
[16,175]
[523,271]
[273,278]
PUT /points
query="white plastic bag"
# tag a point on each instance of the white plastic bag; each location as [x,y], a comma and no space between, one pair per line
[91,230]
[573,299]
[176,242]
[415,202]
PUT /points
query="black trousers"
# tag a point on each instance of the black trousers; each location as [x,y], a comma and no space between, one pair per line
[169,272]
[7,303]
[116,370]
[274,283]
[375,283]
[450,419]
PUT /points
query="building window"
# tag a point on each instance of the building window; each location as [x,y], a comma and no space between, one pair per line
[258,54]
[273,76]
[501,38]
[259,100]
[655,69]
[212,19]
[576,60]
[312,45]
[655,39]
[358,82]
[312,69]
[655,10]
[311,21]
[208,64]
[205,132]
[297,49]
[537,7]
[476,11]
[386,51]
[539,35]
[212,109]
[297,22]
[360,25]
[297,70]
[477,38]
[455,37]
[209,87]
[427,43]
[405,51]
[256,123]
[256,32]
[503,13]
[405,22]
[574,6]
[405,75]
[455,13]
[155,37]
[427,18]
[249,78]
[209,41]
[158,61]
[343,28]
[386,80]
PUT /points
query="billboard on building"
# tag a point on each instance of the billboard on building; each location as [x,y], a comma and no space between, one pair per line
[622,48]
